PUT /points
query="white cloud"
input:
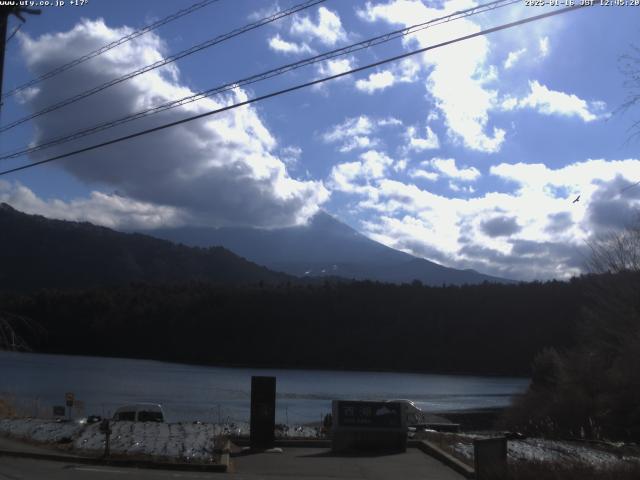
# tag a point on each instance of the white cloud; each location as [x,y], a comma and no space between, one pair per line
[351,127]
[290,154]
[268,11]
[461,188]
[396,12]
[552,102]
[108,210]
[389,121]
[374,164]
[447,166]
[581,177]
[405,72]
[533,232]
[543,46]
[327,30]
[356,132]
[425,174]
[343,175]
[279,45]
[221,170]
[401,165]
[354,177]
[513,58]
[376,81]
[420,144]
[335,66]
[358,142]
[457,68]
[26,95]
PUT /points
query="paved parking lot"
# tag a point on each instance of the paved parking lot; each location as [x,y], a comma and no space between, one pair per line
[291,463]
[319,463]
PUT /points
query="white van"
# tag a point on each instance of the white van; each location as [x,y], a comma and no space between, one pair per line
[140,412]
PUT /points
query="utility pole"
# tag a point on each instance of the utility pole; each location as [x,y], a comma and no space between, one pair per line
[5,11]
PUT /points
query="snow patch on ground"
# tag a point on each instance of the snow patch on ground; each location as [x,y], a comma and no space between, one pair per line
[185,442]
[542,450]
[44,431]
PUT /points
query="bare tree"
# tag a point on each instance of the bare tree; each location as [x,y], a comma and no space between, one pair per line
[593,387]
[616,252]
[10,327]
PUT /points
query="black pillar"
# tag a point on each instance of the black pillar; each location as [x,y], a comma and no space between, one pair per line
[263,412]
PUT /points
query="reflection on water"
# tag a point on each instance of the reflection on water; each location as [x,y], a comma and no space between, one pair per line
[190,392]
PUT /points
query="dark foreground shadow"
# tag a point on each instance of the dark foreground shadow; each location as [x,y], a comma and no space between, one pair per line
[352,454]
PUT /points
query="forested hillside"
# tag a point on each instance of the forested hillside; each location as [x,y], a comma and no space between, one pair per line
[37,252]
[488,328]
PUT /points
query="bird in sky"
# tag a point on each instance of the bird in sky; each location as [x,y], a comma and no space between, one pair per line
[577,199]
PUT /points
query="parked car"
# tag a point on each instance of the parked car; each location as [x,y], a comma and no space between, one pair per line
[94,419]
[140,412]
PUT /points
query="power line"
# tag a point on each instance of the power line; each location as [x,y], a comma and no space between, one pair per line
[628,187]
[15,30]
[262,76]
[292,89]
[109,46]
[165,61]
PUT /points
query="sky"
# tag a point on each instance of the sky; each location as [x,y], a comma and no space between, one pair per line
[470,155]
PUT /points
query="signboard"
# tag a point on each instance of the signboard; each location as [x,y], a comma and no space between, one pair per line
[59,411]
[370,426]
[69,397]
[79,406]
[263,412]
[369,414]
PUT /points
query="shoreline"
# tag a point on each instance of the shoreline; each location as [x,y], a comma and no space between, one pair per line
[476,419]
[292,367]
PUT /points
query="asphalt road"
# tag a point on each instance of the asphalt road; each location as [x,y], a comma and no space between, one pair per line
[12,445]
[293,463]
[26,469]
[320,464]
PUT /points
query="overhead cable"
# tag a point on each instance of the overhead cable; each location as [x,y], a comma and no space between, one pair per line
[292,89]
[259,77]
[109,46]
[165,61]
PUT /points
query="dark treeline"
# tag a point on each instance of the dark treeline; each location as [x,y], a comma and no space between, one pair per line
[592,389]
[487,328]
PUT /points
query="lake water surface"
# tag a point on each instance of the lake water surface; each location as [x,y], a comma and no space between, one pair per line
[187,392]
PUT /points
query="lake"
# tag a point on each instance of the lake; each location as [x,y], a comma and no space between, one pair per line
[36,382]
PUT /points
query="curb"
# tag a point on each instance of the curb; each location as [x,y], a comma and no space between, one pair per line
[312,443]
[424,446]
[126,463]
[439,454]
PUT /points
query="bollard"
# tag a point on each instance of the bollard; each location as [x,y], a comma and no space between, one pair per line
[490,458]
[105,428]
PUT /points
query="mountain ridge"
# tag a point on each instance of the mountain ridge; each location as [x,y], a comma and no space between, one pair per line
[39,252]
[324,246]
